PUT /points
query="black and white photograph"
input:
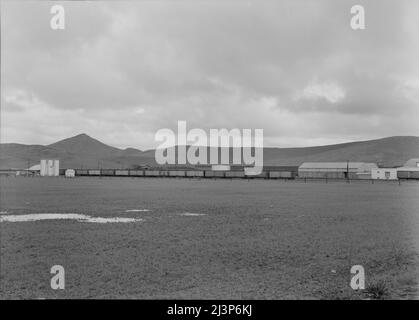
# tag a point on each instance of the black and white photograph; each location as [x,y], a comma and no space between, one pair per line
[209,151]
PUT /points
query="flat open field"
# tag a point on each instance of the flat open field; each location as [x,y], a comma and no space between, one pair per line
[207,239]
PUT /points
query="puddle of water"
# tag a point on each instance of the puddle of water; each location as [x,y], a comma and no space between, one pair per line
[41,216]
[111,220]
[63,216]
[137,210]
[191,214]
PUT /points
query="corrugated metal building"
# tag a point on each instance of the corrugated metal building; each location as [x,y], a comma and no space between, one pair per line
[281,172]
[334,170]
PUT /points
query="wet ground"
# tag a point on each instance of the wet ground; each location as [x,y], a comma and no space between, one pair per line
[185,238]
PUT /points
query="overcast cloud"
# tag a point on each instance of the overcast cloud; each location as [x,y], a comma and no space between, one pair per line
[120,71]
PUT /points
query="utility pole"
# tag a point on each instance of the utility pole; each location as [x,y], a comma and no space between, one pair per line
[347,170]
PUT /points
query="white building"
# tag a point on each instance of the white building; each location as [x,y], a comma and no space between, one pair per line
[384,174]
[50,168]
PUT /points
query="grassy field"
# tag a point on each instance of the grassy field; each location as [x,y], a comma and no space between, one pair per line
[204,239]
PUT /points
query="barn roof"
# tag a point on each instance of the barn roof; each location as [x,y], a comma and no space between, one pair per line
[408,169]
[36,167]
[412,163]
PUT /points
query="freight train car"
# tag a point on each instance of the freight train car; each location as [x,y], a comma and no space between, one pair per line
[151,173]
[107,172]
[176,173]
[136,173]
[214,174]
[281,175]
[122,173]
[281,172]
[82,172]
[195,174]
[94,172]
[262,175]
[234,174]
[164,173]
[408,173]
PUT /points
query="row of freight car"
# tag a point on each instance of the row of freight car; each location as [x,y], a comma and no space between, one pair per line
[183,173]
[408,174]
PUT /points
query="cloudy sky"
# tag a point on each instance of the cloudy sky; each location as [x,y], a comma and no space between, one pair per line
[120,71]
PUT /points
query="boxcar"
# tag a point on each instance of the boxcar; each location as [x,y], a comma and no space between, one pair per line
[194,173]
[136,173]
[164,173]
[81,172]
[234,174]
[176,173]
[281,175]
[151,173]
[121,173]
[107,172]
[262,175]
[94,172]
[406,174]
[214,174]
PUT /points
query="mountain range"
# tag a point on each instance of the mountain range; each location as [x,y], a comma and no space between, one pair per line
[83,151]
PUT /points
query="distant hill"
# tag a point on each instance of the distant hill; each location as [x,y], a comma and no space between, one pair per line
[83,151]
[389,152]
